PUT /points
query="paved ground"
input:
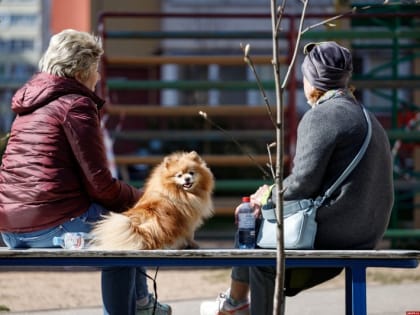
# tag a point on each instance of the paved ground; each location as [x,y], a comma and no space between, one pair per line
[382,300]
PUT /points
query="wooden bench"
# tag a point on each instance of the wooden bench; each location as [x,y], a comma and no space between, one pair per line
[355,262]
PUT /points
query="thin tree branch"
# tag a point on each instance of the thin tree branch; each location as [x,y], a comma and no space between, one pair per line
[296,48]
[280,11]
[205,116]
[301,32]
[328,21]
[270,165]
[279,298]
[250,63]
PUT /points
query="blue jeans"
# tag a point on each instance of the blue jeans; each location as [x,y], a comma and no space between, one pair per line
[239,273]
[121,287]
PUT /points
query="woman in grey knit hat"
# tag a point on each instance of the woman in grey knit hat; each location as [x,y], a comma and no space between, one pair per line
[329,135]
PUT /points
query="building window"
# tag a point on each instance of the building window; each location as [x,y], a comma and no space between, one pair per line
[15,20]
[16,46]
[20,1]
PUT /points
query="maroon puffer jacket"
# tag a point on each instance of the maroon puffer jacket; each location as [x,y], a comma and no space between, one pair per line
[55,163]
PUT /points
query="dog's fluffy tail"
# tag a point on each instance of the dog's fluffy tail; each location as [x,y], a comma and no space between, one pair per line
[116,232]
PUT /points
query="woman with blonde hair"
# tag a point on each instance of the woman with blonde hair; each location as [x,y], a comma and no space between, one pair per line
[54,176]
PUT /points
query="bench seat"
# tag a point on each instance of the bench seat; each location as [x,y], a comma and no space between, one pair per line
[355,262]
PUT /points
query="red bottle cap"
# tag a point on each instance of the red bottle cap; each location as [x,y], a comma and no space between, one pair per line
[246,199]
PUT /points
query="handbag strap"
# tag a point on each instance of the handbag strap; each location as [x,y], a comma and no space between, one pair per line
[353,163]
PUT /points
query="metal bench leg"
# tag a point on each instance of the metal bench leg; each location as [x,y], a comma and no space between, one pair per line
[356,290]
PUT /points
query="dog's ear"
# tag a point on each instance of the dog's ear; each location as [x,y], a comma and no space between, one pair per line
[167,161]
[195,157]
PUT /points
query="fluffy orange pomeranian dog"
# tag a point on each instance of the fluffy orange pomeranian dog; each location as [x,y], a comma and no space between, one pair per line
[177,198]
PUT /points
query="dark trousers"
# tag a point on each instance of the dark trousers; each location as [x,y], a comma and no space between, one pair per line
[262,283]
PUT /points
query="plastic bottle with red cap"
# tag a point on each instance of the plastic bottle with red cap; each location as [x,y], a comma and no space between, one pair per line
[246,225]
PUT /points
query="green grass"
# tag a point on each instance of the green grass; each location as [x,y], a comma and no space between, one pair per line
[4,308]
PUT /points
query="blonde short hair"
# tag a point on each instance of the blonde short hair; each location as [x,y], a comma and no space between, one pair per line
[71,52]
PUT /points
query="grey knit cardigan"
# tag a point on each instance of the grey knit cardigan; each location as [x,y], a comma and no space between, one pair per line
[329,136]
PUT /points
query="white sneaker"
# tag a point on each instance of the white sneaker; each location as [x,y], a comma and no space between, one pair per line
[222,306]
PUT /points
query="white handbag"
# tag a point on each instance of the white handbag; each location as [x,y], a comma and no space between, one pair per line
[299,216]
[299,225]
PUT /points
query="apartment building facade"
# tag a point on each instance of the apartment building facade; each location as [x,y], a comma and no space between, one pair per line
[23,36]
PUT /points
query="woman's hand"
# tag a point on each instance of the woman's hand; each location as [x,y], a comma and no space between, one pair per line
[255,202]
[256,198]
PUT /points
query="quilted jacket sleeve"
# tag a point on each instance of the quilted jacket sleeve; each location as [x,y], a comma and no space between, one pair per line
[83,131]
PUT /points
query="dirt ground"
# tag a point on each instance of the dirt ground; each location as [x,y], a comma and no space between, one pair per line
[41,290]
[29,290]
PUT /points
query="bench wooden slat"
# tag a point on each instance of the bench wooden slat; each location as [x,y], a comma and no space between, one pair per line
[190,34]
[213,159]
[210,253]
[186,110]
[188,60]
[402,233]
[197,135]
[186,85]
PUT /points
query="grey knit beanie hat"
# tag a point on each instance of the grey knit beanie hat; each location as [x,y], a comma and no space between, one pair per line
[327,65]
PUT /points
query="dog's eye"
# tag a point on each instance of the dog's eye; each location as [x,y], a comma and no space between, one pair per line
[178,175]
[191,173]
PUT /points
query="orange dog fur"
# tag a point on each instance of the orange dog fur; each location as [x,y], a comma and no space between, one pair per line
[176,200]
